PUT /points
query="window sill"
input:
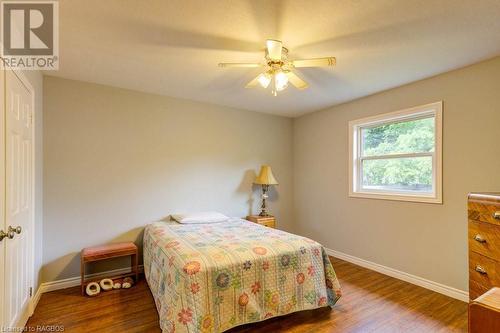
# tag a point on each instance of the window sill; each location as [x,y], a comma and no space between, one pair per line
[397,197]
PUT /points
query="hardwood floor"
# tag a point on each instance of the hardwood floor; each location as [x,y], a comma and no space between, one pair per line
[371,302]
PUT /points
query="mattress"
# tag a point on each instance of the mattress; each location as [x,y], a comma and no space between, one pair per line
[212,277]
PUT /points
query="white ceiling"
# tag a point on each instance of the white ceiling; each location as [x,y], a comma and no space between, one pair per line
[172,47]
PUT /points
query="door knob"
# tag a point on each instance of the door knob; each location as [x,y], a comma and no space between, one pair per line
[16,230]
[4,234]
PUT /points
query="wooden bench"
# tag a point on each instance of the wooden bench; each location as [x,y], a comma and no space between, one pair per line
[104,252]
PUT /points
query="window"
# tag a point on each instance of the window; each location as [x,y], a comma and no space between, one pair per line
[397,156]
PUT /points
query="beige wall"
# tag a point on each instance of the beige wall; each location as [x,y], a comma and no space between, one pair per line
[116,160]
[426,240]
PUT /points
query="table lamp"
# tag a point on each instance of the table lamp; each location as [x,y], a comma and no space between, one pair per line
[265,178]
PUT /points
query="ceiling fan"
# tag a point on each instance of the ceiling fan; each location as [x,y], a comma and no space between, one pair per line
[279,69]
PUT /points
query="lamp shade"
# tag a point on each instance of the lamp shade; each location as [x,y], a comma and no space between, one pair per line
[265,176]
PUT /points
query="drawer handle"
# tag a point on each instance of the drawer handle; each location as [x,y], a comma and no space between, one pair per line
[479,238]
[496,215]
[480,270]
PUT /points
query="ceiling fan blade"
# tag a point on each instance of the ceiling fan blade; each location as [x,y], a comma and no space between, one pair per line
[274,48]
[296,81]
[253,83]
[316,62]
[249,65]
[264,79]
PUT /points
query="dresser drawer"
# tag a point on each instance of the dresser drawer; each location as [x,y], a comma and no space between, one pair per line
[269,224]
[484,238]
[484,211]
[484,271]
[476,289]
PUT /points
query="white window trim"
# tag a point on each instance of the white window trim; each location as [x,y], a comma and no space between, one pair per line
[434,109]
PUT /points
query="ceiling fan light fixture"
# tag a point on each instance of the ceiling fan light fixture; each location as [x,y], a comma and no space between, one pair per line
[264,79]
[280,81]
[280,69]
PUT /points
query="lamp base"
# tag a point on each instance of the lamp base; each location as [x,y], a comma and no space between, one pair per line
[263,207]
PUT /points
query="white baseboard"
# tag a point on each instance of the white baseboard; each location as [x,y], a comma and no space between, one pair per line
[413,279]
[75,281]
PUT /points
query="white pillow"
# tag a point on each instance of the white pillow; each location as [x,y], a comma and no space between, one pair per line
[202,217]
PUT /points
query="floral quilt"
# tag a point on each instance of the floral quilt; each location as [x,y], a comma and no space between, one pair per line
[211,277]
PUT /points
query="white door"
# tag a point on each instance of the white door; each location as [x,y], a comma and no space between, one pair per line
[18,206]
[2,196]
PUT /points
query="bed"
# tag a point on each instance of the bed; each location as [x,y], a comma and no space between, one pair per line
[212,277]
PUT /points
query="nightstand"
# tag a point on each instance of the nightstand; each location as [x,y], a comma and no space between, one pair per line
[268,221]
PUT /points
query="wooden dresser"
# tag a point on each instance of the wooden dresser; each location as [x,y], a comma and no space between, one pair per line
[484,242]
